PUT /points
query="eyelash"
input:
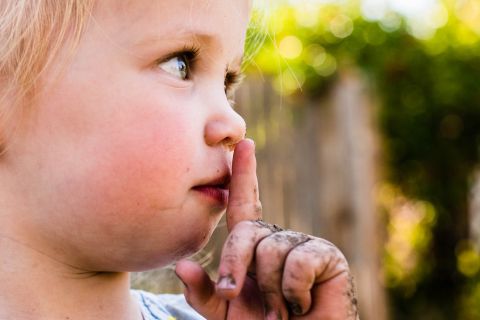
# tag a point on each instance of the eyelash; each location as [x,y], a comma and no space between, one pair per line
[232,81]
[191,54]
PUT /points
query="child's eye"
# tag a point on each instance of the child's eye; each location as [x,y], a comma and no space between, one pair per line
[179,65]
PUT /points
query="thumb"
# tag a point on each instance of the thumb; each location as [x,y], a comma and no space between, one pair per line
[200,290]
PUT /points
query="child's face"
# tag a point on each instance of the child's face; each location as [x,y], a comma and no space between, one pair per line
[114,149]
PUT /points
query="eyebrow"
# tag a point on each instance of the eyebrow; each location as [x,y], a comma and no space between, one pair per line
[179,35]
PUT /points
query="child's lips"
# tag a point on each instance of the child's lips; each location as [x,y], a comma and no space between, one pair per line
[216,193]
[216,189]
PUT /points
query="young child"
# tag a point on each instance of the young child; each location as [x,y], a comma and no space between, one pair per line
[117,144]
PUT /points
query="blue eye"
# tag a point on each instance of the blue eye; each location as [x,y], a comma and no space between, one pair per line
[178,66]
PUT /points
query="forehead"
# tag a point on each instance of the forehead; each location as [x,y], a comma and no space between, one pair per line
[150,19]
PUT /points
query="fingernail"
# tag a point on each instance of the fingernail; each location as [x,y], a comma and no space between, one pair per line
[251,141]
[295,308]
[226,283]
[273,315]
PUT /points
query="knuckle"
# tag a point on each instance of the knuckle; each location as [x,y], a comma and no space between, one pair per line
[232,241]
[326,246]
[333,253]
[272,228]
[266,248]
[290,238]
[297,262]
[231,259]
[278,244]
[244,228]
[245,224]
[257,207]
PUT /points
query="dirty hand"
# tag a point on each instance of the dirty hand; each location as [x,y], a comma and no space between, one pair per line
[266,272]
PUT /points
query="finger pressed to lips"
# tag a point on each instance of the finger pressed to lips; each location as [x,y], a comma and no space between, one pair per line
[244,201]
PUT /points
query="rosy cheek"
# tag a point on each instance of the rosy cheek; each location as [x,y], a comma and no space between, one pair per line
[145,164]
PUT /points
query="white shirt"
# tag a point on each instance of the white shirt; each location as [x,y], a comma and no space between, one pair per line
[165,306]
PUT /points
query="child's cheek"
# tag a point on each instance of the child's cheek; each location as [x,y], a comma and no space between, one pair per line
[122,163]
[145,164]
[138,186]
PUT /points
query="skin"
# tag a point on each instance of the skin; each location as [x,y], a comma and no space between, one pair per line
[100,176]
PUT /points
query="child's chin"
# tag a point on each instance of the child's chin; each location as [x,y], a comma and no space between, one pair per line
[185,250]
[194,247]
[151,253]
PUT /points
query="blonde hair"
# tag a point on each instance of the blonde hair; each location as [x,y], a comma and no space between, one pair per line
[31,34]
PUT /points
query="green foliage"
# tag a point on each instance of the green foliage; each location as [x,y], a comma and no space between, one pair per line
[409,225]
[429,121]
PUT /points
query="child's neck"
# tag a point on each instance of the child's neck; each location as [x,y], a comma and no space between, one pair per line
[35,286]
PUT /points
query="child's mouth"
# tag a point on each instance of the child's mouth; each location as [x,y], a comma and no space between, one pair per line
[218,194]
[216,190]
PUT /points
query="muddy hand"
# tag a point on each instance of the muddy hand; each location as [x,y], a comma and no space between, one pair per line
[295,276]
[292,275]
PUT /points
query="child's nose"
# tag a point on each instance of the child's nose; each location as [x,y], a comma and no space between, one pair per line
[225,127]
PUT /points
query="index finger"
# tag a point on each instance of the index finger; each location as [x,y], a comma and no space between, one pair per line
[244,201]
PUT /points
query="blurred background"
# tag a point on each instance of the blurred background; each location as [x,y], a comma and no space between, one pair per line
[366,116]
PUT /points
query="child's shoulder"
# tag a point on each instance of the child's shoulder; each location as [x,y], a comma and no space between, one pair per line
[165,306]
